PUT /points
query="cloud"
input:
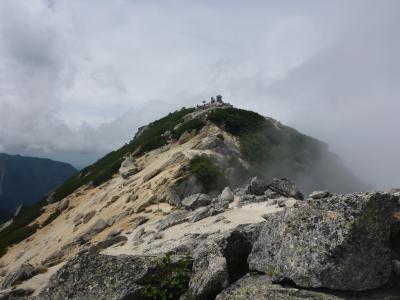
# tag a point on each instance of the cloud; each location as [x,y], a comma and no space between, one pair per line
[78,78]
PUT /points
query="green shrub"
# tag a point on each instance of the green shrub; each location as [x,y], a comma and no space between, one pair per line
[207,173]
[266,145]
[20,229]
[236,121]
[170,280]
[52,217]
[194,124]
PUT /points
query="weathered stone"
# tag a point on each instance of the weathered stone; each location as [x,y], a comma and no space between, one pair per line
[19,275]
[186,136]
[338,242]
[110,241]
[138,234]
[129,168]
[173,198]
[173,219]
[200,213]
[247,199]
[114,232]
[257,186]
[89,216]
[78,217]
[64,204]
[207,143]
[319,195]
[16,294]
[152,174]
[195,201]
[176,158]
[102,277]
[97,227]
[285,187]
[220,260]
[270,194]
[281,202]
[227,195]
[139,220]
[258,287]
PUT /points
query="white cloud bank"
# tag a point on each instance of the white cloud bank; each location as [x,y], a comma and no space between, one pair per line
[78,77]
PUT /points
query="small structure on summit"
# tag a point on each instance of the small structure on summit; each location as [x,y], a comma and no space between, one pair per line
[214,101]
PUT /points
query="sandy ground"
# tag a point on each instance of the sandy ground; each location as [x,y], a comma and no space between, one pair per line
[234,216]
[117,199]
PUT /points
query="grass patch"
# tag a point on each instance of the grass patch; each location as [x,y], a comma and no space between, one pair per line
[170,280]
[19,229]
[194,124]
[265,145]
[52,217]
[207,173]
[236,121]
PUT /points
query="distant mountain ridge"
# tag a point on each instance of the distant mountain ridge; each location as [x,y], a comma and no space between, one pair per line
[24,180]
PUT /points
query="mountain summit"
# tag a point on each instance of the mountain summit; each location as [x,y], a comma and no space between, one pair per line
[206,195]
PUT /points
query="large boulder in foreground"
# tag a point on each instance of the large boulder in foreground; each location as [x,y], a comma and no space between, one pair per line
[339,242]
[257,287]
[99,277]
[260,287]
[220,260]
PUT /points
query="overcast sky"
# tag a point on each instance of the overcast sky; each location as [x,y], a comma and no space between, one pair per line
[78,77]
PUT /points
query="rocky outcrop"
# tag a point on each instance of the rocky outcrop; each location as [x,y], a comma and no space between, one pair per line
[195,201]
[19,275]
[340,243]
[102,277]
[285,187]
[257,186]
[319,194]
[260,287]
[173,219]
[220,260]
[188,186]
[97,227]
[226,195]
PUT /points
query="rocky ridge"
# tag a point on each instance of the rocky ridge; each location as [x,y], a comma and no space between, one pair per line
[253,238]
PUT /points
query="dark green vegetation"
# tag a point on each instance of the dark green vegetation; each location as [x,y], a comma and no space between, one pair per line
[52,217]
[207,173]
[170,279]
[106,167]
[24,180]
[194,124]
[265,144]
[20,229]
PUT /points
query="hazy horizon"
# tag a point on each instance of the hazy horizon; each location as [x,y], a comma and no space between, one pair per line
[78,77]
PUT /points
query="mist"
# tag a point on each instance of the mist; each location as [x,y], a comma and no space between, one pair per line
[77,78]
